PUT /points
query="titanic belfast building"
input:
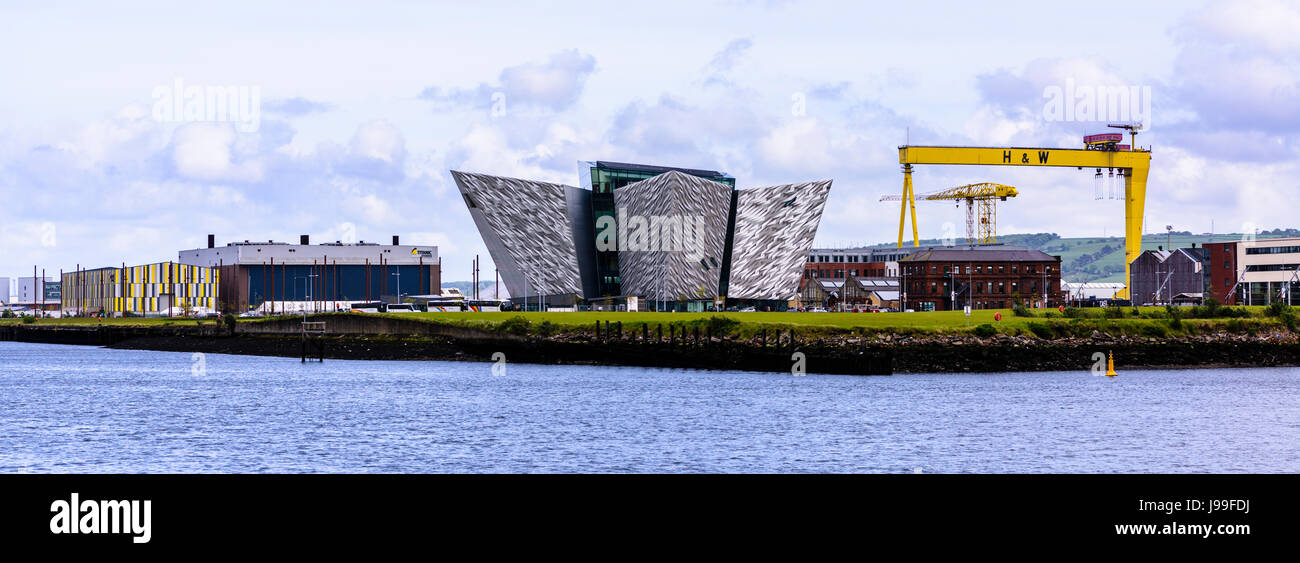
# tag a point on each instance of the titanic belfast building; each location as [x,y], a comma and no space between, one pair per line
[645,237]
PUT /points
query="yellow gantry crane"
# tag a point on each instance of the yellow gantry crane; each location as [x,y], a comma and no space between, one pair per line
[984,196]
[1132,163]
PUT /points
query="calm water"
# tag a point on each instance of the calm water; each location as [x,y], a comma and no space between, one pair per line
[85,409]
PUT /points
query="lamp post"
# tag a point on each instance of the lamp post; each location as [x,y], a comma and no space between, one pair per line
[306,291]
[398,273]
[1045,268]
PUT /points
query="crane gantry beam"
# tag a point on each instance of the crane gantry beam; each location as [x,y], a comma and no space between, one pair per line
[1134,164]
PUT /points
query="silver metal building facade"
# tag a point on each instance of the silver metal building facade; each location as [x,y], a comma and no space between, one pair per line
[644,236]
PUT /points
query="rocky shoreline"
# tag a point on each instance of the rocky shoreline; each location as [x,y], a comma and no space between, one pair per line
[874,354]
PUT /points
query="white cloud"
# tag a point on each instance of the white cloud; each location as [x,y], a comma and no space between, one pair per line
[205,151]
[554,84]
[379,140]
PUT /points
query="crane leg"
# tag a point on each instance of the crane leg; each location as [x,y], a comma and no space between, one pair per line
[902,211]
[911,201]
[1135,195]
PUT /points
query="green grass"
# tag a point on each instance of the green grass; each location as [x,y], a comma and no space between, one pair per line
[1046,323]
[936,322]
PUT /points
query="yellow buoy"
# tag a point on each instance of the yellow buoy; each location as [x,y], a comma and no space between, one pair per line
[1110,365]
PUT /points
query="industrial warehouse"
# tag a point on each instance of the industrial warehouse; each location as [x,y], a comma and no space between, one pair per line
[274,277]
[264,278]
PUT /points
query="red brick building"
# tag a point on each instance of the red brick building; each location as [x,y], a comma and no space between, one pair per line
[984,277]
[841,270]
[1221,270]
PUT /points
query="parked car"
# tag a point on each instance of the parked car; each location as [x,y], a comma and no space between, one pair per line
[748,310]
[817,310]
[250,315]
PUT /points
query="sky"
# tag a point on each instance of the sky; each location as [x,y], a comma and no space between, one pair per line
[361,110]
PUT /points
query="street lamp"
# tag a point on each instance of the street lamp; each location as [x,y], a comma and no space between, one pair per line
[398,273]
[1045,268]
[306,290]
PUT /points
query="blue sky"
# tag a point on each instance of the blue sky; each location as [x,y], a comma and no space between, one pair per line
[366,106]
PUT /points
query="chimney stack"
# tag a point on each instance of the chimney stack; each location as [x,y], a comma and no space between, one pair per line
[395,240]
[304,240]
[212,241]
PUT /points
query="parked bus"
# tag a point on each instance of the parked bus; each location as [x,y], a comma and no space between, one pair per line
[367,307]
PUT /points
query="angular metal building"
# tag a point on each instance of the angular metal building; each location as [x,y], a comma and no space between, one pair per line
[645,236]
[774,230]
[672,237]
[528,228]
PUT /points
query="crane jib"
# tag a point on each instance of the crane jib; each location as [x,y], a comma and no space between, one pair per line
[1007,157]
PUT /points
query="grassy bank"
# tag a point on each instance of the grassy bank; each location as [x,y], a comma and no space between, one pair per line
[1049,323]
[1041,323]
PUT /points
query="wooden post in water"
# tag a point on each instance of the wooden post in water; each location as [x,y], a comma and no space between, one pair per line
[619,334]
[659,333]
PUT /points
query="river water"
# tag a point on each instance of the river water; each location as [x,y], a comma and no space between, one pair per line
[86,409]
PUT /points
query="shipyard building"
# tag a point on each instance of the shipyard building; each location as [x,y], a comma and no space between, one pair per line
[278,277]
[992,276]
[1253,272]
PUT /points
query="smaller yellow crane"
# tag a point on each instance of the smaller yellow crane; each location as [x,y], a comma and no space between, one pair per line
[984,196]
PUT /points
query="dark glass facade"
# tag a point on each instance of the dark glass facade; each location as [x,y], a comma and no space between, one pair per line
[602,178]
[333,282]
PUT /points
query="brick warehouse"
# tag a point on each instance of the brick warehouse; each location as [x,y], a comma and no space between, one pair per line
[984,277]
